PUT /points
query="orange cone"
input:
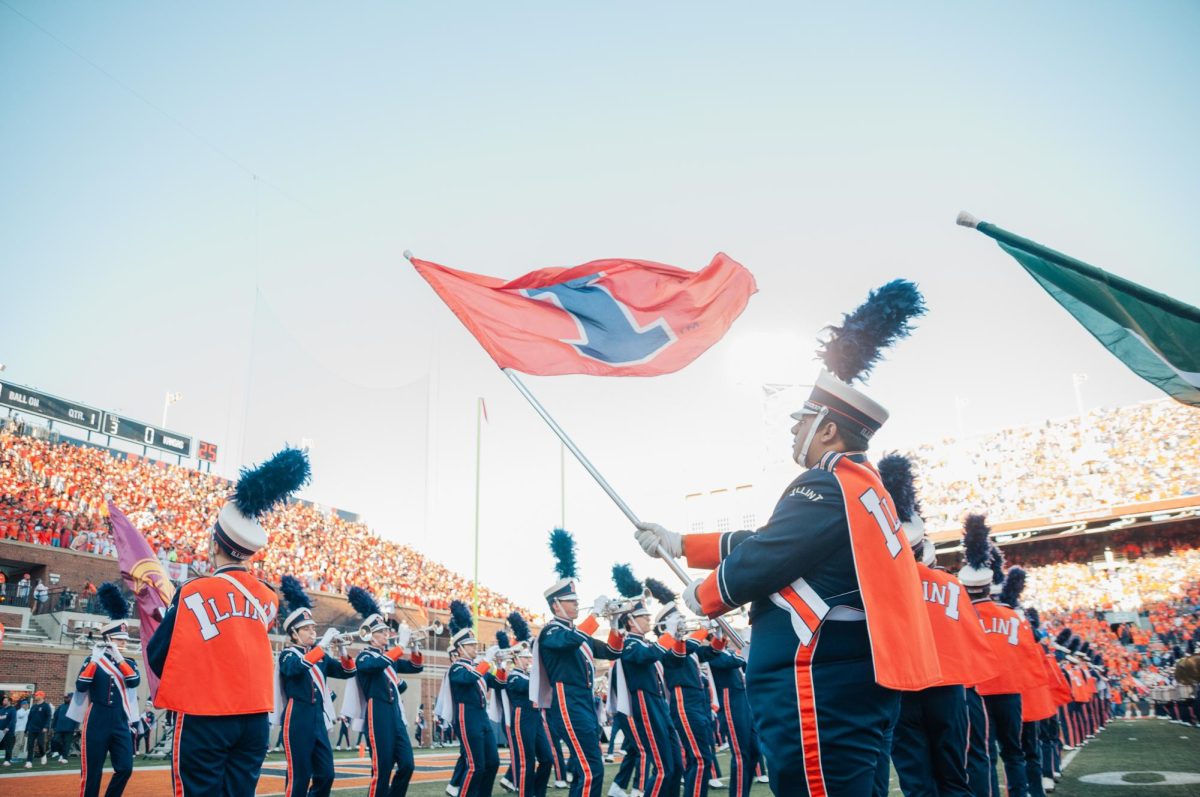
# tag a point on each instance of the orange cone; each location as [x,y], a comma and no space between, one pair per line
[362,750]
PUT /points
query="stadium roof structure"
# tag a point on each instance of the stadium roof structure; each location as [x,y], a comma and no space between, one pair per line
[1099,520]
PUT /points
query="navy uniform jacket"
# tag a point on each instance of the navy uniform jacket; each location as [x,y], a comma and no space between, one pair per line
[641,660]
[8,719]
[369,672]
[683,670]
[561,647]
[100,687]
[298,684]
[518,690]
[806,537]
[728,671]
[468,687]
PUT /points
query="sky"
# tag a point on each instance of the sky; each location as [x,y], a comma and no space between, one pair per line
[214,199]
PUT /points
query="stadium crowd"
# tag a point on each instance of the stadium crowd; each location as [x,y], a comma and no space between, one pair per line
[1144,452]
[54,494]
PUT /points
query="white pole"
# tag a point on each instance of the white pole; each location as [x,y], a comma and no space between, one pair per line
[676,568]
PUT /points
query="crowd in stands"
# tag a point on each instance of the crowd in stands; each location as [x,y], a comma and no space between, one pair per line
[54,494]
[1144,452]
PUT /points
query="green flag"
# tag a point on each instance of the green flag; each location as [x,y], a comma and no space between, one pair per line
[1156,336]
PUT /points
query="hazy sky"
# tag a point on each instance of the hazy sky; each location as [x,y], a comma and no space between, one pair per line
[213,199]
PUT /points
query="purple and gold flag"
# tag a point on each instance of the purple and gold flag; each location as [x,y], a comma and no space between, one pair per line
[144,575]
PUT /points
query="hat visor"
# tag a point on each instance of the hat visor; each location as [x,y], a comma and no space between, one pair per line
[805,411]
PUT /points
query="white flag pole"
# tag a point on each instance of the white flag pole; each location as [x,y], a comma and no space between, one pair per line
[604,485]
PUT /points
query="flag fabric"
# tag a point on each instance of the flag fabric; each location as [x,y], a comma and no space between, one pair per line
[605,318]
[1156,336]
[145,577]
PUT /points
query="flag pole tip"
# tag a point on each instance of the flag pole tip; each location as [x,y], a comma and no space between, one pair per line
[408,255]
[965,219]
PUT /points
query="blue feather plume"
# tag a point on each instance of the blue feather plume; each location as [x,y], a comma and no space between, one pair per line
[363,602]
[661,592]
[1035,619]
[1014,585]
[976,551]
[997,563]
[460,617]
[896,473]
[1064,636]
[259,489]
[562,545]
[112,601]
[294,593]
[857,345]
[502,639]
[520,627]
[625,582]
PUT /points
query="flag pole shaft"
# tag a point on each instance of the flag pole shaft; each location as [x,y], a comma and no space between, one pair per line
[478,457]
[676,568]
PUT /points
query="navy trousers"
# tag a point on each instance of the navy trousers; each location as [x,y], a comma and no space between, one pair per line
[306,747]
[633,761]
[1004,723]
[929,747]
[820,716]
[690,714]
[105,732]
[478,742]
[1031,746]
[530,751]
[657,743]
[219,755]
[573,717]
[979,765]
[743,743]
[391,752]
[556,745]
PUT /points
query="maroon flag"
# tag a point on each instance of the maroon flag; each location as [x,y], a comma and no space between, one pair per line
[144,575]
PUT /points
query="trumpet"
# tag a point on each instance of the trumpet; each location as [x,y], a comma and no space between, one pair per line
[616,606]
[693,624]
[420,636]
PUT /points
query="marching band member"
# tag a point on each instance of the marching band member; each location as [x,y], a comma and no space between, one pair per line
[1037,701]
[303,705]
[500,695]
[691,710]
[562,675]
[532,763]
[216,634]
[106,699]
[464,695]
[838,617]
[729,678]
[929,747]
[377,696]
[642,691]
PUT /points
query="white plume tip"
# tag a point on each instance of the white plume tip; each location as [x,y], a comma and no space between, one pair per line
[965,219]
[408,255]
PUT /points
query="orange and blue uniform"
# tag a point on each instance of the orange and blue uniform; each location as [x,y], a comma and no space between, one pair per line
[376,675]
[531,761]
[106,722]
[469,686]
[213,657]
[839,624]
[304,687]
[729,678]
[650,722]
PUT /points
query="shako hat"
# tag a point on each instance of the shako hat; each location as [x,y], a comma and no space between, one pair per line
[852,350]
[462,626]
[373,619]
[562,546]
[113,603]
[976,570]
[298,603]
[237,530]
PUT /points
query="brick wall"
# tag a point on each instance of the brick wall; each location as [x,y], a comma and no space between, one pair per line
[40,561]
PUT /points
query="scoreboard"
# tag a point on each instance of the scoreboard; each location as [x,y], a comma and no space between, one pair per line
[53,408]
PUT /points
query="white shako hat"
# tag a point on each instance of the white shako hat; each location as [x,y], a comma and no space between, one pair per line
[237,530]
[113,602]
[852,350]
[562,546]
[462,625]
[976,570]
[298,603]
[373,619]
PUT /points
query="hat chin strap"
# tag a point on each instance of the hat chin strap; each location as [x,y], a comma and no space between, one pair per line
[802,461]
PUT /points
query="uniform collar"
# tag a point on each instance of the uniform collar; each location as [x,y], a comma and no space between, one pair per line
[229,568]
[562,621]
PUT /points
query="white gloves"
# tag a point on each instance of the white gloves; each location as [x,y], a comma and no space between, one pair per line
[652,535]
[115,654]
[327,640]
[403,635]
[672,624]
[689,597]
[600,605]
[491,654]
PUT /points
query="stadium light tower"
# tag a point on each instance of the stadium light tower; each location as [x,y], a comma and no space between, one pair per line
[1077,380]
[172,398]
